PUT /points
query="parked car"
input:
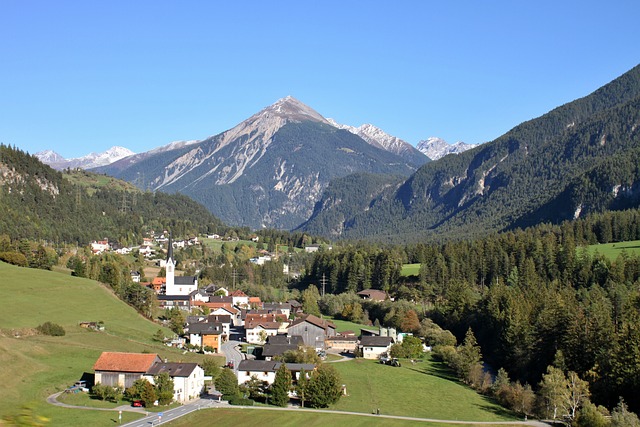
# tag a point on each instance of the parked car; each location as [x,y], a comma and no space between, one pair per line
[137,403]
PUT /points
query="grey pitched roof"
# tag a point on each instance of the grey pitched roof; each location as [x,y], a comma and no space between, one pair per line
[374,341]
[285,339]
[194,319]
[205,328]
[314,320]
[270,350]
[271,366]
[175,369]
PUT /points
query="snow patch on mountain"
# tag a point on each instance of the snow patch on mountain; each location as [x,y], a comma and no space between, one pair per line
[435,148]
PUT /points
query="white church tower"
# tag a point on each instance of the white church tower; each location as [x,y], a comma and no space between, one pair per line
[170,268]
[175,286]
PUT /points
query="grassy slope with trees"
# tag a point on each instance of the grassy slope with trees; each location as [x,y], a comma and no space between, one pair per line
[39,203]
[34,366]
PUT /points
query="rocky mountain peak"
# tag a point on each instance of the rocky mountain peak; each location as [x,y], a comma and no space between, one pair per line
[292,109]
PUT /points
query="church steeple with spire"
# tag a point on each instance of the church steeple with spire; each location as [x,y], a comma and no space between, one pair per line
[170,268]
[182,285]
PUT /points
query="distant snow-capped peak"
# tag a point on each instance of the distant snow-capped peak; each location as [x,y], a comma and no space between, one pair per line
[89,161]
[49,156]
[435,148]
[375,136]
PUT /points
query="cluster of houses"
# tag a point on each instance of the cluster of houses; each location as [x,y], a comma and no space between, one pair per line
[146,248]
[271,328]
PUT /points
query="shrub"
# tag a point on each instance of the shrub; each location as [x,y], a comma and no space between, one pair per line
[15,258]
[240,401]
[106,392]
[50,328]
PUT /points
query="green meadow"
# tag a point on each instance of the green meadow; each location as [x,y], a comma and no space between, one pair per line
[410,269]
[34,366]
[614,250]
[424,390]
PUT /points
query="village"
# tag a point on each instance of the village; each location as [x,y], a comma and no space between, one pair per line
[254,336]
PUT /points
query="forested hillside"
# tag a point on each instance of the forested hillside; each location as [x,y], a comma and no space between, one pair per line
[558,166]
[533,298]
[40,203]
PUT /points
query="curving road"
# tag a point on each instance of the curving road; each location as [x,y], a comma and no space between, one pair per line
[156,419]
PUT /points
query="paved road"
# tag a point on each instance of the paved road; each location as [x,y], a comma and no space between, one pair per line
[155,419]
[232,352]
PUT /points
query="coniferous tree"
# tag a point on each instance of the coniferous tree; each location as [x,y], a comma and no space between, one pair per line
[281,386]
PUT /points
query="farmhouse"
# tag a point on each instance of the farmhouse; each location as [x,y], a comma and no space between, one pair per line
[207,334]
[188,379]
[265,370]
[373,295]
[313,330]
[372,347]
[122,369]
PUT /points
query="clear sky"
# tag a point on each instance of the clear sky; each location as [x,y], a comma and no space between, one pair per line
[80,76]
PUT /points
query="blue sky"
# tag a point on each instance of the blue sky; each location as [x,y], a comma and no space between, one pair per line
[81,76]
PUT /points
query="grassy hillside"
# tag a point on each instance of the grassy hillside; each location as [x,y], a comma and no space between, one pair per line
[424,390]
[35,366]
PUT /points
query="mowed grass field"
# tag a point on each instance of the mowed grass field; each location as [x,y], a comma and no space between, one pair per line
[614,250]
[35,366]
[424,390]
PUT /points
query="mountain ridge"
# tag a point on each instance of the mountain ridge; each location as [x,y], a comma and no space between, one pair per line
[522,178]
[268,170]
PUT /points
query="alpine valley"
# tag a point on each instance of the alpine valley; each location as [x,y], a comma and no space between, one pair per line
[269,170]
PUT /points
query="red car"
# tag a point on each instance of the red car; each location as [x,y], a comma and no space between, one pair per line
[137,403]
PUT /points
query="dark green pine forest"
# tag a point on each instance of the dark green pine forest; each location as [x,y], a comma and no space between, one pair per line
[533,297]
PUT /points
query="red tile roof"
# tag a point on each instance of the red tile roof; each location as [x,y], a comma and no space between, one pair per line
[125,362]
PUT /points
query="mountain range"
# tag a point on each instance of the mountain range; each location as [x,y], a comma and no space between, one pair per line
[92,160]
[288,167]
[269,170]
[579,158]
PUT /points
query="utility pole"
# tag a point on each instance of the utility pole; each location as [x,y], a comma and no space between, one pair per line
[324,282]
